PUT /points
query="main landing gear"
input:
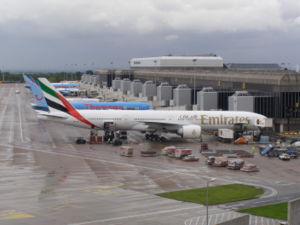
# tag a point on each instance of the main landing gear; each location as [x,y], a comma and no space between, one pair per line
[155,137]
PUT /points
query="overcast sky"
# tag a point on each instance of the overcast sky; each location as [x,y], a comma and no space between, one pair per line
[82,34]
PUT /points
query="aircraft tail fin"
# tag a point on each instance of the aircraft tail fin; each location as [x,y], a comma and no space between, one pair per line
[58,102]
[27,81]
[39,99]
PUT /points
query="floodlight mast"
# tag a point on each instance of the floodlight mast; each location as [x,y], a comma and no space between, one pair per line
[208,180]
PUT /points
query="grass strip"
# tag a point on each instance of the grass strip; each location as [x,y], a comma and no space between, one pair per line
[216,194]
[276,211]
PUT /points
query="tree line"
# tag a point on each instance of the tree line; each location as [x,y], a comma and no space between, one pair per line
[8,77]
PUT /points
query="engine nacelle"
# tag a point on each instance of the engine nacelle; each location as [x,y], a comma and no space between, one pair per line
[190,131]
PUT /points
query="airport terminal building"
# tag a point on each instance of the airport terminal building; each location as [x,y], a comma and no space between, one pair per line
[206,83]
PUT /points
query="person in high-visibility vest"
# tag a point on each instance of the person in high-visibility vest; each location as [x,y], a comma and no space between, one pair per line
[253,149]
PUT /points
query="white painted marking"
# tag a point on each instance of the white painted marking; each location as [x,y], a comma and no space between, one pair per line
[185,222]
[209,219]
[256,220]
[135,216]
[227,216]
[214,219]
[11,118]
[20,119]
[191,220]
[2,115]
[222,217]
[197,221]
[11,130]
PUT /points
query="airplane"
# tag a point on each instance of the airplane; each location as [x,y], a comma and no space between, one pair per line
[69,91]
[83,99]
[187,124]
[82,103]
[31,84]
[111,105]
[65,85]
[62,86]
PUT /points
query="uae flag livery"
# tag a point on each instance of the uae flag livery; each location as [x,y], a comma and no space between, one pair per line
[56,101]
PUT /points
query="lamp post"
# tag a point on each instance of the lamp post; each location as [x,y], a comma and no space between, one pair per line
[208,180]
[155,62]
[194,99]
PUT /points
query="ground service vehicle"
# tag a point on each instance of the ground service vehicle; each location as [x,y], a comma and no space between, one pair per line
[225,135]
[126,151]
[182,152]
[190,158]
[217,161]
[80,140]
[293,154]
[121,134]
[235,164]
[284,156]
[249,168]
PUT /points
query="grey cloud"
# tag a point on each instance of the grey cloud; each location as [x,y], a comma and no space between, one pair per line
[144,16]
[58,33]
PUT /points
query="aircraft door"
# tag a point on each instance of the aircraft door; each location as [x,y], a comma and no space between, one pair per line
[109,125]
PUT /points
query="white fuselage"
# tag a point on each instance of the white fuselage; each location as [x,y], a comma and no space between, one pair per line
[145,120]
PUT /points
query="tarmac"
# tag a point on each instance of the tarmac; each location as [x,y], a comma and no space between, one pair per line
[48,179]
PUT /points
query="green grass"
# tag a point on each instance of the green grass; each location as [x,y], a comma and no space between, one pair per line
[216,194]
[276,211]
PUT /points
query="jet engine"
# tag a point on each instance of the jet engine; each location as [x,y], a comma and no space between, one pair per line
[190,131]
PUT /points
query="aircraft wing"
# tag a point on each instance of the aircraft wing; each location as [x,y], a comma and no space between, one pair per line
[189,131]
[54,115]
[155,125]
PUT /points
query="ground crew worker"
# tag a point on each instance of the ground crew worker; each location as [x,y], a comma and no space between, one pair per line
[253,149]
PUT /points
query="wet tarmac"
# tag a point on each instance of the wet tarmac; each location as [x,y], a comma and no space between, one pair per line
[47,179]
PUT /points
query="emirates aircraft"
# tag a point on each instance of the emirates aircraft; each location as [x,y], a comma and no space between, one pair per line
[187,124]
